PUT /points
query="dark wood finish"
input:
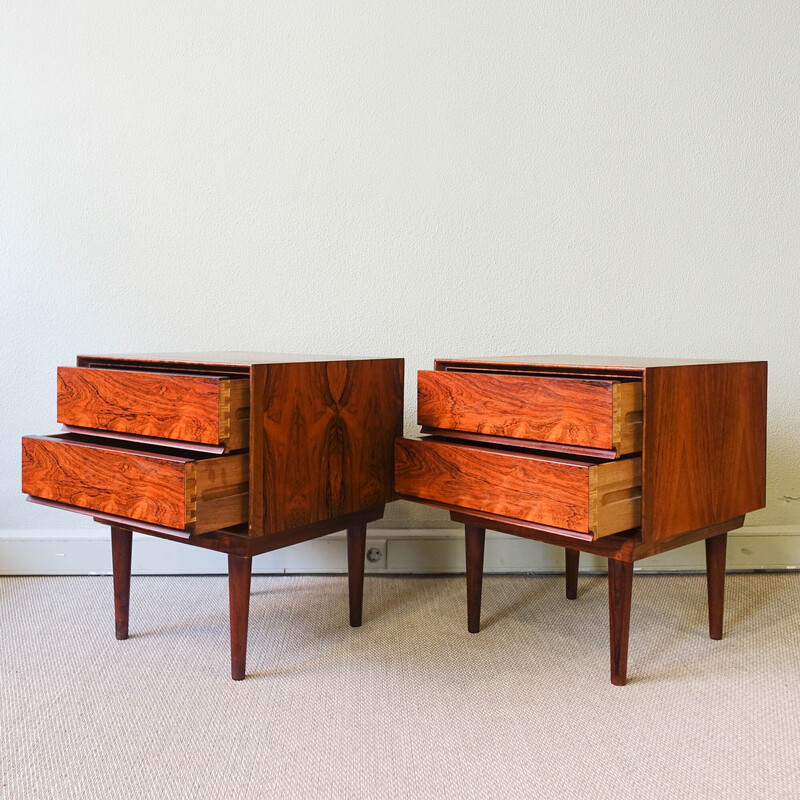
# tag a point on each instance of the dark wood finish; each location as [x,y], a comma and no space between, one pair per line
[155,485]
[192,408]
[705,446]
[322,440]
[121,565]
[571,561]
[575,495]
[143,427]
[599,414]
[526,444]
[716,547]
[623,547]
[620,582]
[239,572]
[356,551]
[702,467]
[594,364]
[474,540]
[133,439]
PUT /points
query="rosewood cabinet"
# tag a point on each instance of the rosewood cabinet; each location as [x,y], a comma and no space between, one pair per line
[624,458]
[238,452]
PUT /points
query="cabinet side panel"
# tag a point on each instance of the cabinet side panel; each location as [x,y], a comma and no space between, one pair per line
[704,445]
[322,440]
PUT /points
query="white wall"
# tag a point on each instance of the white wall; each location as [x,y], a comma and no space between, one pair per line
[399,179]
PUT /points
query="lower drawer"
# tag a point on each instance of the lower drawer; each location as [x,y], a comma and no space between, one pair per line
[155,485]
[591,498]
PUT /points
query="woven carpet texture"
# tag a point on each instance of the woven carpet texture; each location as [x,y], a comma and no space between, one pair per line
[410,705]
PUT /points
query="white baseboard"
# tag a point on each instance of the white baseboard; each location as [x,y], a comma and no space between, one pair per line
[88,552]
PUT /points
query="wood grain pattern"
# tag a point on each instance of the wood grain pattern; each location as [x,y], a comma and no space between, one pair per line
[193,408]
[219,496]
[550,491]
[582,412]
[148,486]
[704,446]
[322,440]
[143,486]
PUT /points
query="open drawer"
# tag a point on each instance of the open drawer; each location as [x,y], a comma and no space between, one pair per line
[153,485]
[597,499]
[596,413]
[206,409]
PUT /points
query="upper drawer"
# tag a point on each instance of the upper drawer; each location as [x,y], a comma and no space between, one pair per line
[595,413]
[190,408]
[589,498]
[154,486]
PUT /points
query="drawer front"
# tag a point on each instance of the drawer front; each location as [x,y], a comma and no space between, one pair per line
[190,408]
[199,495]
[592,413]
[596,499]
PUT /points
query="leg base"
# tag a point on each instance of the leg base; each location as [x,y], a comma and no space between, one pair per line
[356,546]
[121,540]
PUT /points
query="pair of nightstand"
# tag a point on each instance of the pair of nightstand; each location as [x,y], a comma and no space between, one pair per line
[247,453]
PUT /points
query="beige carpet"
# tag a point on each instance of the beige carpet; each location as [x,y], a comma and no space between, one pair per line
[408,706]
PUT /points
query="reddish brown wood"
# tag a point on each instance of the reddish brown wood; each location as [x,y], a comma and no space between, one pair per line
[623,547]
[474,540]
[170,406]
[620,582]
[121,566]
[322,440]
[704,457]
[239,572]
[594,364]
[545,490]
[546,409]
[560,492]
[527,444]
[150,487]
[715,577]
[356,548]
[572,560]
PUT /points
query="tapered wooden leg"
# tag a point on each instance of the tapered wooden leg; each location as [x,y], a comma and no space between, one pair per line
[356,546]
[121,565]
[620,582]
[716,547]
[239,571]
[475,538]
[572,558]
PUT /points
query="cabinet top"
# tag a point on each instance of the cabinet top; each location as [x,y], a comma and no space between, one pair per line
[227,359]
[617,363]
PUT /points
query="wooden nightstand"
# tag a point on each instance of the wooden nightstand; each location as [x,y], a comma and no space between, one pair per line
[238,452]
[620,457]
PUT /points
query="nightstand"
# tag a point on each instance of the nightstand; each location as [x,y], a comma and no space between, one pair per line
[243,453]
[620,457]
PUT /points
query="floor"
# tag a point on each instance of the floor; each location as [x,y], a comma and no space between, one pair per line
[409,705]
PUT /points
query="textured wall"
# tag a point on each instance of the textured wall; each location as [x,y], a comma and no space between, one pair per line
[400,179]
